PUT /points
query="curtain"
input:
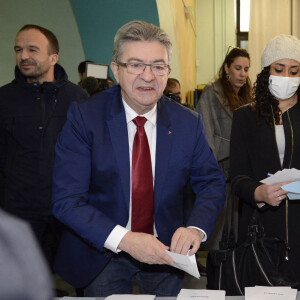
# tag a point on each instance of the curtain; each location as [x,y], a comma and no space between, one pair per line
[269,18]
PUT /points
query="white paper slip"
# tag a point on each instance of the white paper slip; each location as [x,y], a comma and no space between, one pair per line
[293,190]
[77,298]
[270,293]
[186,294]
[281,176]
[130,297]
[186,263]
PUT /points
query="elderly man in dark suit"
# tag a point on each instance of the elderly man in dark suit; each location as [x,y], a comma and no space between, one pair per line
[122,161]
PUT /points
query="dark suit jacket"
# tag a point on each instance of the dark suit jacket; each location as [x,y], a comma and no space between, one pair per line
[91,191]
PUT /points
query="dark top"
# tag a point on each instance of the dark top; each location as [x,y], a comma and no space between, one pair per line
[31,117]
[254,153]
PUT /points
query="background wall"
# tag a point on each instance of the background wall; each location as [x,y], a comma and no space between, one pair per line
[85,30]
[165,12]
[56,15]
[98,22]
[182,31]
[275,17]
[215,23]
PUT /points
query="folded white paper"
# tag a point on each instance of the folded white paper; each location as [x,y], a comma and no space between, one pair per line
[130,297]
[292,188]
[186,294]
[281,176]
[186,263]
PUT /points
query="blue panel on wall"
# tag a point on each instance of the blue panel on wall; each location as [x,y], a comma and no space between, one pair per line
[98,21]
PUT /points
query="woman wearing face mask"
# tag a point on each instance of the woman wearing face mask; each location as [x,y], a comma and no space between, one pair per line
[265,138]
[217,103]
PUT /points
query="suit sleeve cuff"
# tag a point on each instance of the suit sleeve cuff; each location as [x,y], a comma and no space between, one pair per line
[205,235]
[113,240]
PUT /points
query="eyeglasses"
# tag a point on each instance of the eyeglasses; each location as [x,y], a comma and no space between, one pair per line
[139,68]
[230,48]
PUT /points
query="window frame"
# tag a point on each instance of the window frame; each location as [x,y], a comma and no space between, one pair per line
[240,35]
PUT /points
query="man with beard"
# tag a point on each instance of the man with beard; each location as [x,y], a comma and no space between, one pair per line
[33,109]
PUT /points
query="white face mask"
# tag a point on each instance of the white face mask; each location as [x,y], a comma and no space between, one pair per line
[283,88]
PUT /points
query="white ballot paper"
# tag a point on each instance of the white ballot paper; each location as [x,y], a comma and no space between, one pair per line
[186,294]
[130,297]
[270,293]
[292,188]
[284,175]
[186,263]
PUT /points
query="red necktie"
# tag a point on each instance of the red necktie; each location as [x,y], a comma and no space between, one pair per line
[142,181]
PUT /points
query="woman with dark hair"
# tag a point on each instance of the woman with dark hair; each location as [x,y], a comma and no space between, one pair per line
[265,138]
[216,105]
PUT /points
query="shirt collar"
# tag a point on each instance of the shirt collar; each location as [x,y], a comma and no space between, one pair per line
[131,114]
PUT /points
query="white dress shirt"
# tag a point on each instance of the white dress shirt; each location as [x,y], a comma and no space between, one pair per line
[119,231]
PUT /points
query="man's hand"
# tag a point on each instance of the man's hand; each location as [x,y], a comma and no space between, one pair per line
[185,238]
[145,248]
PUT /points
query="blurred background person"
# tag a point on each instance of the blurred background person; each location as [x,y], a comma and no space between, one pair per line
[265,138]
[81,71]
[104,84]
[173,89]
[110,81]
[217,103]
[93,85]
[24,273]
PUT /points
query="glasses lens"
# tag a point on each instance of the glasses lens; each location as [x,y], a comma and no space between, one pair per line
[160,69]
[139,68]
[136,68]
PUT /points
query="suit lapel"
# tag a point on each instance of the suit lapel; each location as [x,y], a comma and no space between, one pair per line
[164,141]
[119,137]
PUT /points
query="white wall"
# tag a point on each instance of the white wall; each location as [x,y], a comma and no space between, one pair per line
[56,15]
[165,13]
[215,23]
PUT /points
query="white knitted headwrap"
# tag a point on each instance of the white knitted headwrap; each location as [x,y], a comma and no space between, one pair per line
[280,47]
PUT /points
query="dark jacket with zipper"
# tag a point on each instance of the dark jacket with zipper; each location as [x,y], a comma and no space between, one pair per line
[254,152]
[31,117]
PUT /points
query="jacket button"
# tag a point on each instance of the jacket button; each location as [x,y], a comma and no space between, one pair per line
[38,98]
[41,127]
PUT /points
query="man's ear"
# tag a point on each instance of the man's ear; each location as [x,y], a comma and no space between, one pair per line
[53,59]
[115,69]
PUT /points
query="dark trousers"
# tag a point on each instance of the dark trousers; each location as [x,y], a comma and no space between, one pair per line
[120,273]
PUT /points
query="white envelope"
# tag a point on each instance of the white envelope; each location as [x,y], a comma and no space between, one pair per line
[186,263]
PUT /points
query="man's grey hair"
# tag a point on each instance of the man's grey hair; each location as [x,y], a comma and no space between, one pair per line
[139,31]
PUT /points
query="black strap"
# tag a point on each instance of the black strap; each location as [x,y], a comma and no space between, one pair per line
[228,235]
